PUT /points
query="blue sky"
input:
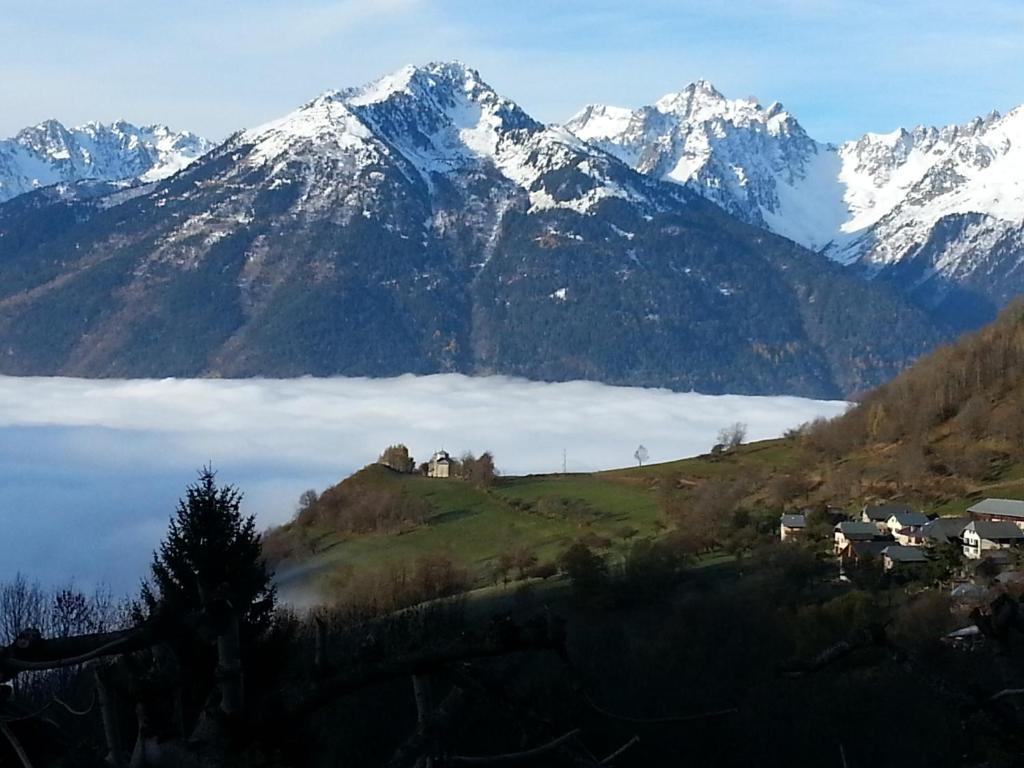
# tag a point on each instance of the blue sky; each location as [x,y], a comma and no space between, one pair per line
[843,67]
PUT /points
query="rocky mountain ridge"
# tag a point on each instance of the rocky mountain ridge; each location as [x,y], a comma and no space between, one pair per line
[936,212]
[425,223]
[49,153]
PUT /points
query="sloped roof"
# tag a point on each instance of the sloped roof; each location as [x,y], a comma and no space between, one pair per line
[942,528]
[904,554]
[968,590]
[995,530]
[996,556]
[882,512]
[853,529]
[868,548]
[1002,507]
[904,519]
[794,521]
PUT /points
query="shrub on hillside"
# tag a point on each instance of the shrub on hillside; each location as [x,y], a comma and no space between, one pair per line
[359,505]
[587,570]
[543,570]
[652,567]
[397,458]
[478,470]
[398,585]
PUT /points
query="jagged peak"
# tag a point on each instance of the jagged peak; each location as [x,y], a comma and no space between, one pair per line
[598,121]
[409,80]
[704,86]
[695,95]
[975,126]
[95,128]
[49,126]
[418,80]
[701,101]
[50,152]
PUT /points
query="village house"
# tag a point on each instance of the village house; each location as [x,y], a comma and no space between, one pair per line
[911,536]
[983,536]
[852,531]
[791,526]
[942,530]
[1000,559]
[896,556]
[439,465]
[999,510]
[857,551]
[900,521]
[879,514]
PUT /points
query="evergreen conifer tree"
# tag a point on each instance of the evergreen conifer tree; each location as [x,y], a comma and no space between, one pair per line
[211,546]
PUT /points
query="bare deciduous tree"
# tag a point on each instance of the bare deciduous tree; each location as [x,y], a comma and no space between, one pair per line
[307,500]
[641,455]
[732,436]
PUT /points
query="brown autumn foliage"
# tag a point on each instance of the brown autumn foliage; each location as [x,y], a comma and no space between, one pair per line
[397,458]
[958,384]
[702,522]
[398,585]
[361,505]
[479,470]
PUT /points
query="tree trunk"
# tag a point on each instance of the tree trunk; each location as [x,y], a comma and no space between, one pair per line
[229,668]
[108,713]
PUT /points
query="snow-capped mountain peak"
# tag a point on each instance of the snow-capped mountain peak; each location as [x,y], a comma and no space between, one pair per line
[326,123]
[438,116]
[441,115]
[944,198]
[441,121]
[733,151]
[50,153]
[423,82]
[696,93]
[951,199]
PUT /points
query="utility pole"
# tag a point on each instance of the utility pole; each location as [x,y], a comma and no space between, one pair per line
[563,461]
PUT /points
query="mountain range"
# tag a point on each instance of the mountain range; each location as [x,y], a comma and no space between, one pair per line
[939,212]
[49,153]
[425,223]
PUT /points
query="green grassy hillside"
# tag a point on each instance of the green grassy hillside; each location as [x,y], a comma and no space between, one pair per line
[541,514]
[714,507]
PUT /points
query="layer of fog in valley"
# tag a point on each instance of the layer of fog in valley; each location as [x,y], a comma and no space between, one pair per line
[90,470]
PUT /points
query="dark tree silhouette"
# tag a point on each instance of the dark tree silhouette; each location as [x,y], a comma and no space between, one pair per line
[587,570]
[211,549]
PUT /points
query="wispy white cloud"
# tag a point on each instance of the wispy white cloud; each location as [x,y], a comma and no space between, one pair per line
[90,470]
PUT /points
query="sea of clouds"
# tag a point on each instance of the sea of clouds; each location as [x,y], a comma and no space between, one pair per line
[90,470]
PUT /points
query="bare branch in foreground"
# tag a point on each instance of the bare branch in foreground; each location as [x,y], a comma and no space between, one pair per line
[15,745]
[618,752]
[513,757]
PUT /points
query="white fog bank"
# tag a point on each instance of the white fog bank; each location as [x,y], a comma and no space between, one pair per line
[90,470]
